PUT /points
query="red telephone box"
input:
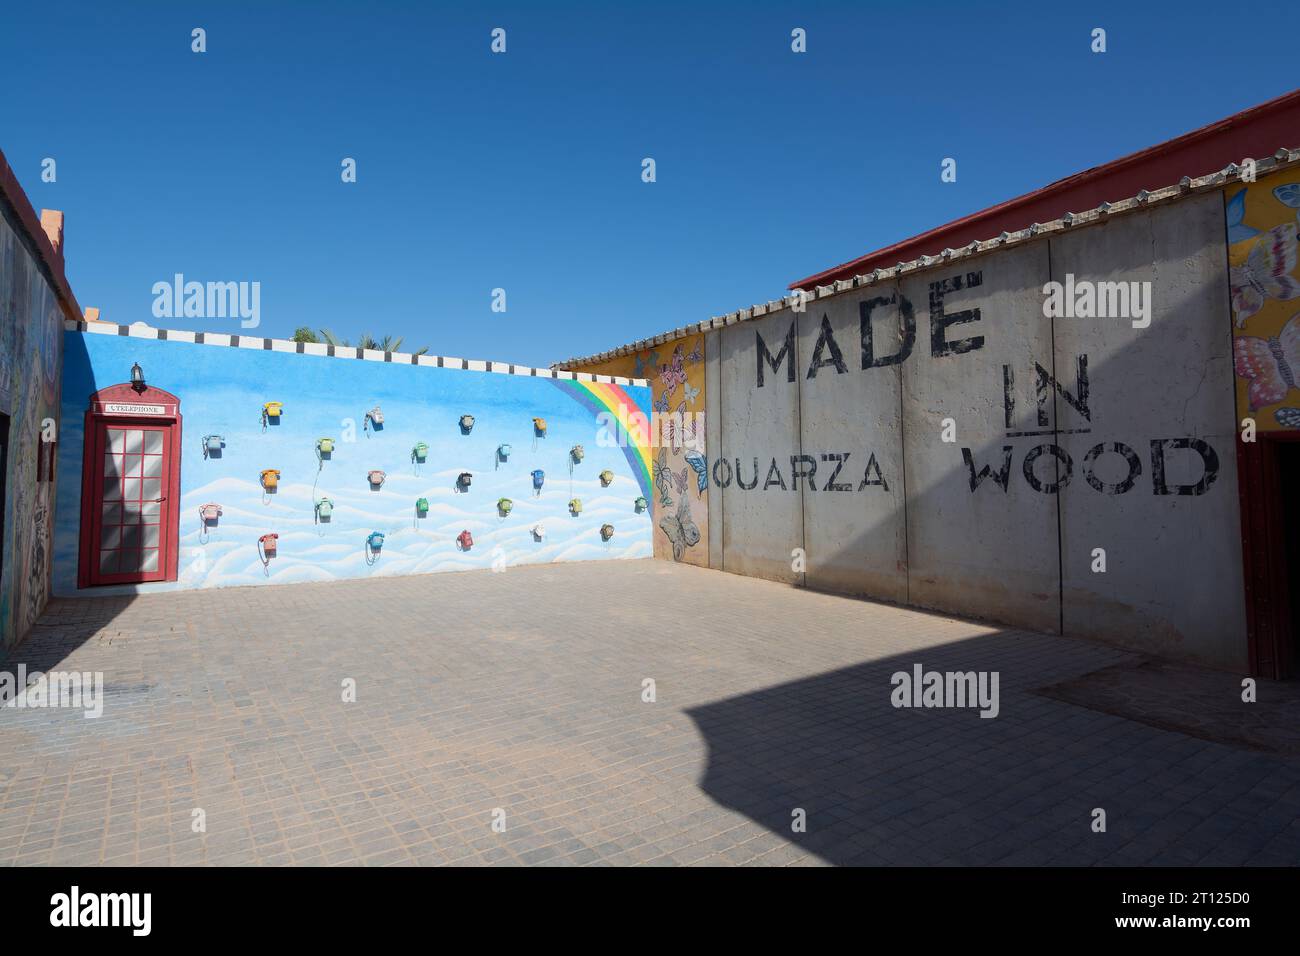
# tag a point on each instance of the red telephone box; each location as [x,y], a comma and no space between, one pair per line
[130,487]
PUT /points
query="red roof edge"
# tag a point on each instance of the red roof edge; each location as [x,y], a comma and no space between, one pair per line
[31,224]
[1255,133]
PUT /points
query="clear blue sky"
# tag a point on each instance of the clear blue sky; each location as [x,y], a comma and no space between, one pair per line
[522,170]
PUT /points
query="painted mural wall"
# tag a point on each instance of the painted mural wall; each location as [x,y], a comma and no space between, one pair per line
[676,372]
[1261,221]
[31,321]
[943,441]
[505,482]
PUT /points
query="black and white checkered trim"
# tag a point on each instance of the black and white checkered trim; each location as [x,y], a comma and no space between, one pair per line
[142,331]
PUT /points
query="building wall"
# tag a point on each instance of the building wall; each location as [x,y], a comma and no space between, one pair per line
[676,373]
[1262,219]
[221,390]
[30,344]
[1069,437]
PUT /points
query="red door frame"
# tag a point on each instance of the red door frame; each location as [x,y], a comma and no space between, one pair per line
[1269,622]
[123,406]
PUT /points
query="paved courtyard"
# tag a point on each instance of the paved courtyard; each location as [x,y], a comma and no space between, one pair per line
[481,694]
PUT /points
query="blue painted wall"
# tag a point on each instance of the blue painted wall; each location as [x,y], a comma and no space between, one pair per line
[221,391]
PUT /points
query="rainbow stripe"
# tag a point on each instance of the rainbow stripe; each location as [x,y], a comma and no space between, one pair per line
[632,417]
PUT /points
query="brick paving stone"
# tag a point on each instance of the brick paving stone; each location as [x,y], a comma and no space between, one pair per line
[521,692]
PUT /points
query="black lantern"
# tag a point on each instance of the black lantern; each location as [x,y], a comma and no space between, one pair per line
[137,377]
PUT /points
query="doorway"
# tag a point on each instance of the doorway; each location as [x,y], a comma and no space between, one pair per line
[130,488]
[128,528]
[1269,473]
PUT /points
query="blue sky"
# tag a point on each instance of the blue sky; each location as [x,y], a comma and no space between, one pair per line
[523,171]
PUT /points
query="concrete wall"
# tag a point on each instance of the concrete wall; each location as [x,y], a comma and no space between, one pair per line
[1066,435]
[31,320]
[851,436]
[762,514]
[1174,568]
[990,550]
[221,390]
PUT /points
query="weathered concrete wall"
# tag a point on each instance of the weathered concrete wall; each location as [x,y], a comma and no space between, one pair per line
[31,320]
[850,442]
[978,546]
[762,522]
[1173,578]
[1049,417]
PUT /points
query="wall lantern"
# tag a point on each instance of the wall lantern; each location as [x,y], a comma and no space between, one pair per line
[137,377]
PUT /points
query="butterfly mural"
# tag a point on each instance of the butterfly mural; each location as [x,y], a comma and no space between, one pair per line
[699,464]
[1266,273]
[661,404]
[673,373]
[696,355]
[692,393]
[1288,417]
[680,529]
[682,430]
[651,361]
[1269,365]
[1288,194]
[1236,212]
[666,480]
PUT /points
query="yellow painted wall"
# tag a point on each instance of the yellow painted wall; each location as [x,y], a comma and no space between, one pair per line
[1262,220]
[676,375]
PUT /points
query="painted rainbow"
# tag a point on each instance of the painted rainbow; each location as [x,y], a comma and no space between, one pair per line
[633,421]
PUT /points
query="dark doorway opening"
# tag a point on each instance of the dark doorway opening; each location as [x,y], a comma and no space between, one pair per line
[1269,472]
[1288,486]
